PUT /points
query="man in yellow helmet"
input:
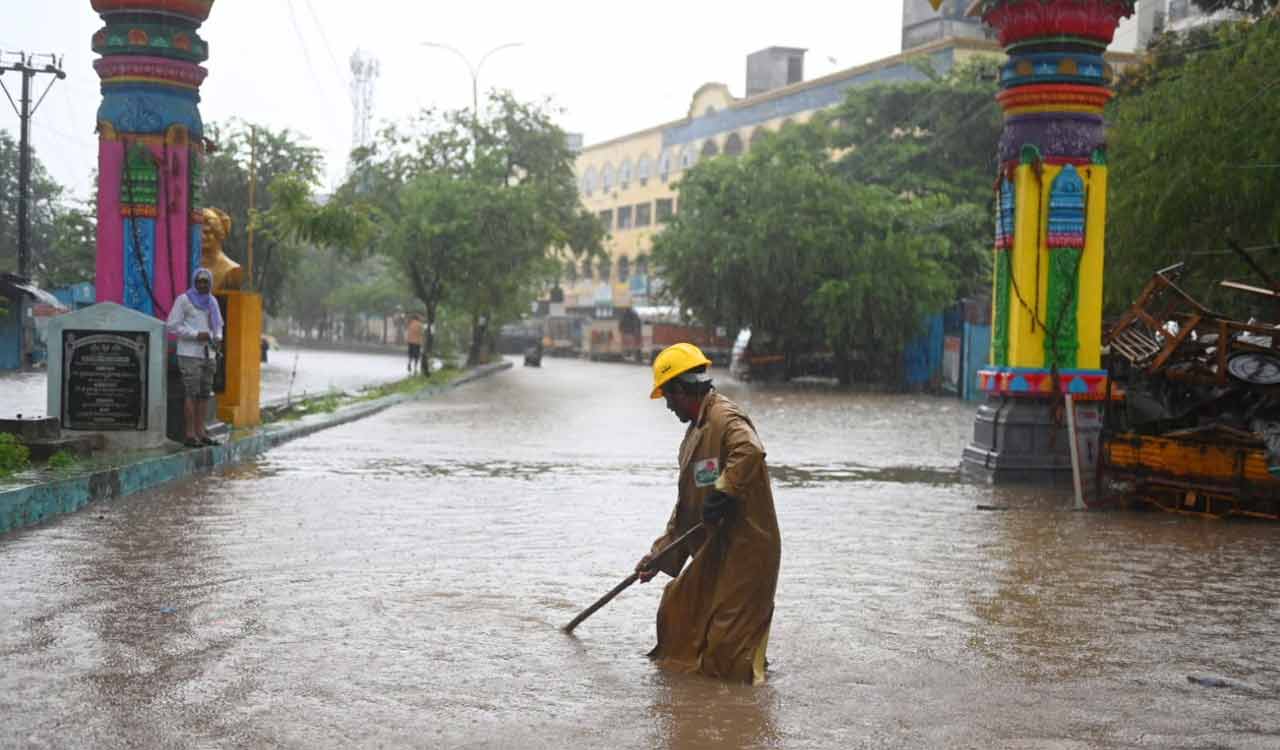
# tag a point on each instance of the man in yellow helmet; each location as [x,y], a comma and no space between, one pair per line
[715,615]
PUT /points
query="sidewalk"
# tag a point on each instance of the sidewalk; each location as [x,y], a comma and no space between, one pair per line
[318,371]
[34,496]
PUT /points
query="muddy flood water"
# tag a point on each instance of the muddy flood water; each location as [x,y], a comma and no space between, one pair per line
[401,581]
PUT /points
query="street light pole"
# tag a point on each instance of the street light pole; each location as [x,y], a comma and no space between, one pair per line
[474,70]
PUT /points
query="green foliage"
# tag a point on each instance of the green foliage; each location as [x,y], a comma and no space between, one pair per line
[473,211]
[74,247]
[1195,159]
[1252,7]
[62,232]
[61,461]
[277,155]
[924,138]
[14,456]
[845,232]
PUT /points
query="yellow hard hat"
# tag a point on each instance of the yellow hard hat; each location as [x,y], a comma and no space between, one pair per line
[674,361]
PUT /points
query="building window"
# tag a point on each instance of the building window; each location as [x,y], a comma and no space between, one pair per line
[644,214]
[571,271]
[664,166]
[624,268]
[603,267]
[624,217]
[606,178]
[624,174]
[709,149]
[644,168]
[665,210]
[733,145]
[586,269]
[756,136]
[606,219]
[688,157]
[589,181]
[642,265]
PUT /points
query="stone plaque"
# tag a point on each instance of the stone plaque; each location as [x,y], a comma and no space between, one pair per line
[104,380]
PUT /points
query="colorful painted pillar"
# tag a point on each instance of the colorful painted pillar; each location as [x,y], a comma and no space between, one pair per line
[1050,220]
[149,150]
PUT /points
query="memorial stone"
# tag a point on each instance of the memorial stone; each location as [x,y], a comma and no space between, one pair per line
[106,376]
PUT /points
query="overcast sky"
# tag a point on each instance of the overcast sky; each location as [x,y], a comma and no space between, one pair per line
[612,67]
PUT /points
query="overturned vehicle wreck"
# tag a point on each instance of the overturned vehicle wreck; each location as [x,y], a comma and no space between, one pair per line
[1193,421]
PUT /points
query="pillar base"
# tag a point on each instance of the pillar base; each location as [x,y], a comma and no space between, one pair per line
[1019,439]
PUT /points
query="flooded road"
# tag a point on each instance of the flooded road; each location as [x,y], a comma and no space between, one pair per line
[400,582]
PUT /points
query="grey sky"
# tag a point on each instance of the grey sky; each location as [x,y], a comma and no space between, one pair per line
[612,67]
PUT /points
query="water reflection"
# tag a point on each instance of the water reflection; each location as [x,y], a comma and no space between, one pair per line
[400,582]
[693,713]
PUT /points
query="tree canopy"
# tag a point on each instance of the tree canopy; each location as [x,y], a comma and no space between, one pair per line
[1195,160]
[1252,7]
[474,208]
[845,232]
[62,239]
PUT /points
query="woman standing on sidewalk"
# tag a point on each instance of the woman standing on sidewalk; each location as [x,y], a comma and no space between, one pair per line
[196,321]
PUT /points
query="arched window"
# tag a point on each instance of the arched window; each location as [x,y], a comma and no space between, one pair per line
[644,169]
[733,145]
[624,268]
[642,265]
[688,157]
[624,174]
[664,166]
[709,149]
[756,136]
[589,180]
[606,178]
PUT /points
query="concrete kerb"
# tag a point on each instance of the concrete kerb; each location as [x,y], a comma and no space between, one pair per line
[32,504]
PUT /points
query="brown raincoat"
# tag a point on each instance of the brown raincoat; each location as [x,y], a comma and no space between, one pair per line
[714,617]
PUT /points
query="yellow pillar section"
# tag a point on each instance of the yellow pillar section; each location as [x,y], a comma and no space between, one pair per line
[1026,336]
[1089,311]
[239,404]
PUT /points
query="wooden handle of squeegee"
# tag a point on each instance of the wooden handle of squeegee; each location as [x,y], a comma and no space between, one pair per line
[629,580]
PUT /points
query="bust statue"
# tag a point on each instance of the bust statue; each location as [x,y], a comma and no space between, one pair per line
[227,274]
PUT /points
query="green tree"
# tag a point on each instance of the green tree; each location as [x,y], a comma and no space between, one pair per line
[783,242]
[73,247]
[848,231]
[1254,8]
[281,158]
[44,208]
[473,209]
[1194,161]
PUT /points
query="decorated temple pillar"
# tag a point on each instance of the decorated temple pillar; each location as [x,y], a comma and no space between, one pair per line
[1050,220]
[150,149]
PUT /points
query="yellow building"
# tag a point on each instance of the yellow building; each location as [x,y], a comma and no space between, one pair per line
[628,181]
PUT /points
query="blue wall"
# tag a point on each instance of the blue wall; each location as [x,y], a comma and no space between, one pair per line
[11,335]
[922,357]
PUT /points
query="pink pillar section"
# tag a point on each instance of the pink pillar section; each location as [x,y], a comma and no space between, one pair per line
[110,259]
[171,275]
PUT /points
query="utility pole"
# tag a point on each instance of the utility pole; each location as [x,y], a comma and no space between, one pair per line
[253,181]
[25,67]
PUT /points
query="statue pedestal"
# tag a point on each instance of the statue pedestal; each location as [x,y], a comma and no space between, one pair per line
[240,400]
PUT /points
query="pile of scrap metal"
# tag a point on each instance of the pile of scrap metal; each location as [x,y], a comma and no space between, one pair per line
[1193,424]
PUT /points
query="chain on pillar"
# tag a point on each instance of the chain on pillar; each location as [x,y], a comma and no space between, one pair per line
[1051,194]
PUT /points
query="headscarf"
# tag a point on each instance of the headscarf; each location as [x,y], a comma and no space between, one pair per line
[205,302]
